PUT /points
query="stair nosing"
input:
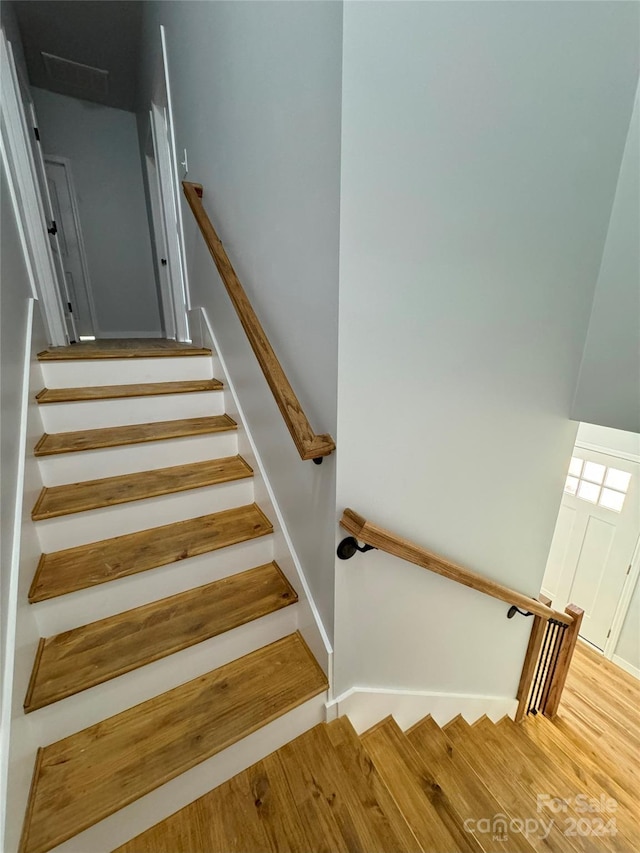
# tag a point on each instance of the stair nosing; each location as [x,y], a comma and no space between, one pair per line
[227,424]
[167,775]
[113,354]
[71,397]
[38,515]
[182,645]
[34,598]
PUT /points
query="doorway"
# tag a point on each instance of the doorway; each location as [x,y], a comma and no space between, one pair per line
[594,558]
[70,245]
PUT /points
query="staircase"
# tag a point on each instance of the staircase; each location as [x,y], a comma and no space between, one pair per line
[169,632]
[173,657]
[484,787]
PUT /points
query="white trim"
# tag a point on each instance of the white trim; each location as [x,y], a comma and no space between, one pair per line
[622,663]
[171,228]
[66,163]
[8,665]
[207,331]
[159,241]
[365,706]
[624,602]
[156,334]
[21,172]
[177,188]
[608,451]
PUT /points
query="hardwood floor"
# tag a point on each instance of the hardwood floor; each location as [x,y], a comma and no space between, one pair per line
[432,789]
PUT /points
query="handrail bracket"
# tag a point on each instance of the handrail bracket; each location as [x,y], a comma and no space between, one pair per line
[349,547]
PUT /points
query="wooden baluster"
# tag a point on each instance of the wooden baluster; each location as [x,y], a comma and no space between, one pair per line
[531,660]
[564,661]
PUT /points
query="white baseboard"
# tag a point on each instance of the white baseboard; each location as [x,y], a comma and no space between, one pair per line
[628,667]
[111,335]
[310,625]
[366,706]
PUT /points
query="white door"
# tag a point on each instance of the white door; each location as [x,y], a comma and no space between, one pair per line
[159,241]
[169,217]
[69,236]
[594,540]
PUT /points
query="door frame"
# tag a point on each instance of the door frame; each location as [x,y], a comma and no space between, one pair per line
[27,200]
[624,602]
[162,128]
[159,238]
[65,162]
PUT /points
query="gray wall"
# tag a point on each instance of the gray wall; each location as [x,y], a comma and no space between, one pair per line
[609,388]
[102,145]
[256,96]
[481,147]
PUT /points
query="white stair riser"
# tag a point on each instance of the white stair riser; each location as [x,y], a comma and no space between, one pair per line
[94,414]
[88,605]
[132,458]
[80,528]
[124,371]
[179,792]
[90,706]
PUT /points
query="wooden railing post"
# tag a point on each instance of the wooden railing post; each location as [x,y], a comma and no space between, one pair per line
[531,660]
[564,661]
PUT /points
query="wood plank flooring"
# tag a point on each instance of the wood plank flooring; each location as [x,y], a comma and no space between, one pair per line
[92,494]
[83,657]
[93,439]
[116,392]
[95,772]
[85,566]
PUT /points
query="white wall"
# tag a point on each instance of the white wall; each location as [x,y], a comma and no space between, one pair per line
[21,336]
[608,392]
[102,144]
[481,146]
[256,95]
[628,645]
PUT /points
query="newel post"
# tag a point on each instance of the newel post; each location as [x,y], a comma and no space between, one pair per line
[564,661]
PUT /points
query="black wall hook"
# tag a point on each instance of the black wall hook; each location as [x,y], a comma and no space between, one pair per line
[513,610]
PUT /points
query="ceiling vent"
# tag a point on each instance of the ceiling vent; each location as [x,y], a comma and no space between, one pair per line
[85,78]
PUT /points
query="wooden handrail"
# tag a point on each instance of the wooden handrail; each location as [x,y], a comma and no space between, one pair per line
[389,542]
[308,444]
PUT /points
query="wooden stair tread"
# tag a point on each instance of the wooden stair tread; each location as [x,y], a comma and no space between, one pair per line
[83,657]
[289,802]
[92,439]
[122,348]
[382,811]
[116,392]
[93,494]
[91,774]
[328,806]
[461,783]
[85,566]
[432,818]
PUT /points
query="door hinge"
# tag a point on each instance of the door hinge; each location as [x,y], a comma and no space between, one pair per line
[53,229]
[608,634]
[70,308]
[629,569]
[37,134]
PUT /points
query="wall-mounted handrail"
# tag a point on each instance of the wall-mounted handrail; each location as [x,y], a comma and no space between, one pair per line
[308,444]
[384,540]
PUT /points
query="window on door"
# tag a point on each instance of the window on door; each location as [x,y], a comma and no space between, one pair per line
[598,484]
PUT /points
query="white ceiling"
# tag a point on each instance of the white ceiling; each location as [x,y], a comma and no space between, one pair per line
[103,34]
